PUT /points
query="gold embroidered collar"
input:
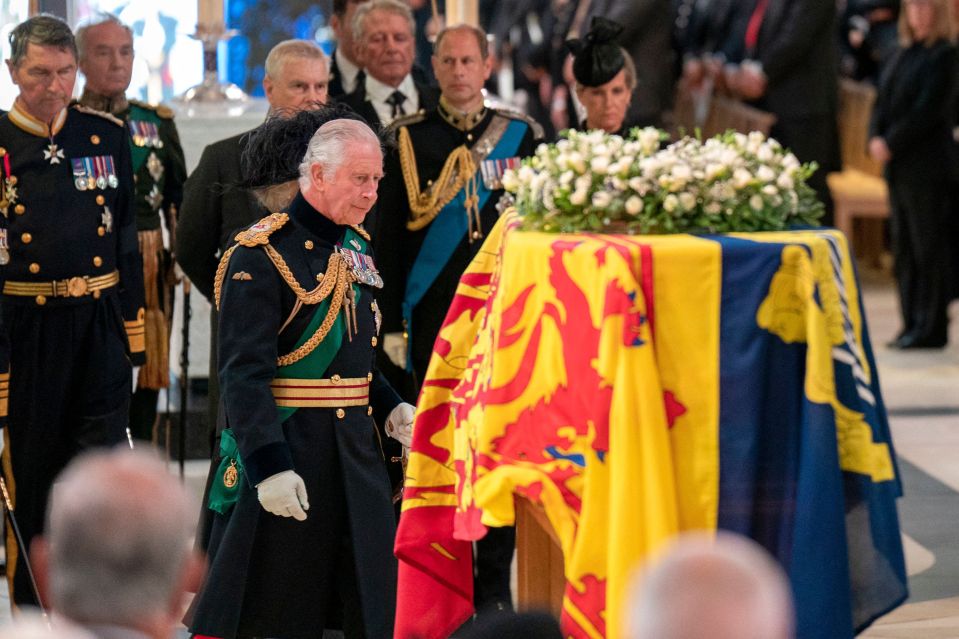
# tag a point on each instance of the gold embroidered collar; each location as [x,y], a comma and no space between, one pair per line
[459,119]
[32,125]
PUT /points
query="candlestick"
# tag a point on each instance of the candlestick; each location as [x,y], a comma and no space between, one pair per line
[211,90]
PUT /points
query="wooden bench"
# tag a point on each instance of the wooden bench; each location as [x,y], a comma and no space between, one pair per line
[859,190]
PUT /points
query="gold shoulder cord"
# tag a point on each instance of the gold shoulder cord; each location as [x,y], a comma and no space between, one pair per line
[458,171]
[338,277]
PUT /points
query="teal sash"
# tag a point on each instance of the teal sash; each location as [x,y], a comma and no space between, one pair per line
[446,232]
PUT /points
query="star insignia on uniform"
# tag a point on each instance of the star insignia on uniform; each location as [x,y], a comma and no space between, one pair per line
[10,189]
[154,197]
[53,153]
[155,167]
[106,218]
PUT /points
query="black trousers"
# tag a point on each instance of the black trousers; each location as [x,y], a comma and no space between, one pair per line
[70,380]
[921,207]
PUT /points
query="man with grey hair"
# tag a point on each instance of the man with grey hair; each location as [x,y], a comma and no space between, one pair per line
[116,556]
[105,46]
[72,296]
[302,400]
[705,587]
[383,33]
[214,208]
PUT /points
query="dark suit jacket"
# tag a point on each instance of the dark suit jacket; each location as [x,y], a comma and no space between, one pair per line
[647,36]
[429,99]
[336,78]
[800,55]
[213,208]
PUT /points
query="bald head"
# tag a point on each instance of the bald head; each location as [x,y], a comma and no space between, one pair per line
[725,587]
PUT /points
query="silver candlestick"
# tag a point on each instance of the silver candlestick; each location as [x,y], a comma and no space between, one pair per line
[211,90]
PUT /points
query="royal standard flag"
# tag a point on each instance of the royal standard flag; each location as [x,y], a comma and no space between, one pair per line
[636,387]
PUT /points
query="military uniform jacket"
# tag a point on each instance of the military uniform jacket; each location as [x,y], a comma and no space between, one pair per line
[67,212]
[158,163]
[272,576]
[434,137]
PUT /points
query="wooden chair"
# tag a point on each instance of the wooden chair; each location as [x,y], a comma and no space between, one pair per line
[726,113]
[859,189]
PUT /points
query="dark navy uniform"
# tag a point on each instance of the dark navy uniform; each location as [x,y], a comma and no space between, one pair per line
[274,576]
[159,170]
[431,259]
[72,300]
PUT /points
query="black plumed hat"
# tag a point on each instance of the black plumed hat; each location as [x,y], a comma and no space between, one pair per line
[275,149]
[597,57]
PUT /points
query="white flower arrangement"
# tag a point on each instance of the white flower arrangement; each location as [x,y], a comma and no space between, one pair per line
[595,181]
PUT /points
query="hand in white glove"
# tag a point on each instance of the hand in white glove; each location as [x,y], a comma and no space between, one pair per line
[399,425]
[284,495]
[394,345]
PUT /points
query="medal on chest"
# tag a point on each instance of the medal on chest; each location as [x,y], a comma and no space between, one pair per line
[53,153]
[362,266]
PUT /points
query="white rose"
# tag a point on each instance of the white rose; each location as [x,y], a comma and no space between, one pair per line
[785,182]
[599,164]
[578,198]
[634,205]
[741,178]
[714,170]
[756,203]
[566,177]
[526,174]
[687,201]
[765,174]
[682,172]
[576,162]
[510,181]
[670,203]
[770,189]
[602,199]
[713,208]
[637,184]
[765,153]
[583,183]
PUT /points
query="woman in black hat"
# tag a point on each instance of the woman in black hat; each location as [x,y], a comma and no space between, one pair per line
[605,77]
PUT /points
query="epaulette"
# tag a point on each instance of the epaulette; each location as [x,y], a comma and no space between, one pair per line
[515,114]
[259,233]
[161,110]
[103,114]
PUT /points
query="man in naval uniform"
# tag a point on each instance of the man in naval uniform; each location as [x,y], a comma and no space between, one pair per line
[307,543]
[72,301]
[426,238]
[105,46]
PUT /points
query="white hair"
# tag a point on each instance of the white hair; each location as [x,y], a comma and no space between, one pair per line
[389,6]
[118,528]
[96,20]
[329,146]
[707,587]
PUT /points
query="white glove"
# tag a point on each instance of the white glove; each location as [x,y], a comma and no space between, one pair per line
[135,377]
[399,425]
[284,495]
[394,345]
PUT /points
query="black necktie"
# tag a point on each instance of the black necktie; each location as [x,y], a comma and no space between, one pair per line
[396,101]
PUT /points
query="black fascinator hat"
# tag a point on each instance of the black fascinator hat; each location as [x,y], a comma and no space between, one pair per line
[275,149]
[597,57]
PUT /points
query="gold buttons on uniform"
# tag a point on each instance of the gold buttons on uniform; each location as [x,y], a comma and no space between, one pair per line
[34,268]
[101,231]
[319,277]
[41,300]
[100,200]
[308,245]
[95,139]
[19,209]
[373,340]
[369,377]
[340,413]
[336,379]
[97,260]
[26,238]
[369,410]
